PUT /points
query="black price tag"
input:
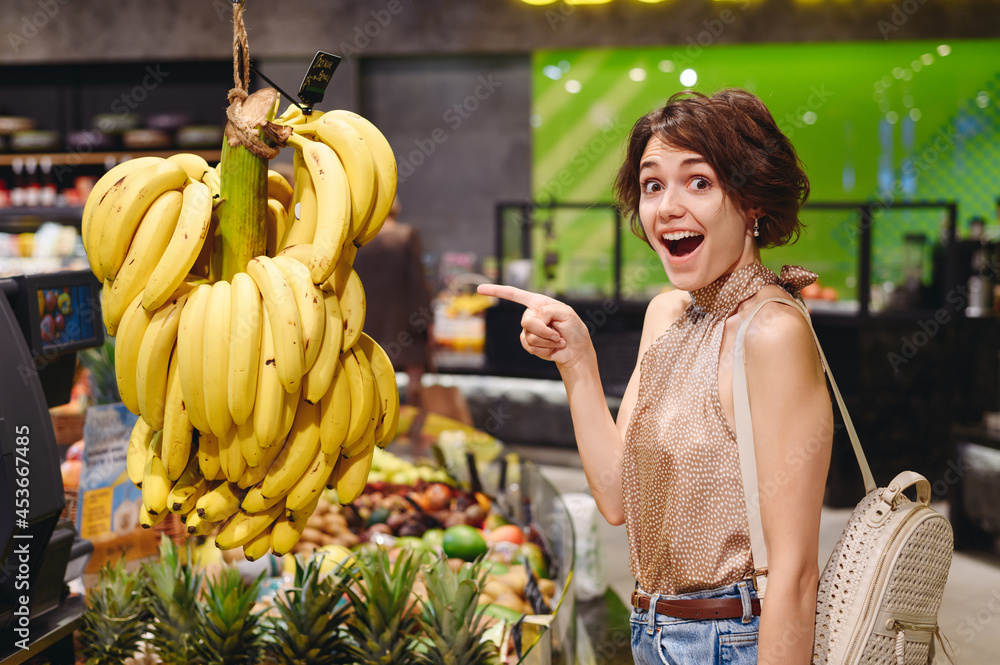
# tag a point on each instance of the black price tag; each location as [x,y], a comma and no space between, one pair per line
[317,78]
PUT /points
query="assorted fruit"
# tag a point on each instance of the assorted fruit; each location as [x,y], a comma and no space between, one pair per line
[238,320]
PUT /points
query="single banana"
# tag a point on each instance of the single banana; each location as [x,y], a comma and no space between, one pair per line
[270,395]
[277,226]
[230,456]
[292,114]
[285,534]
[150,241]
[319,377]
[131,330]
[255,501]
[338,281]
[244,527]
[208,455]
[283,318]
[359,378]
[246,438]
[297,453]
[352,149]
[191,354]
[303,514]
[351,474]
[220,502]
[385,379]
[244,346]
[258,546]
[196,526]
[155,484]
[361,444]
[138,445]
[353,308]
[385,168]
[333,200]
[153,361]
[109,327]
[218,327]
[213,180]
[309,300]
[312,483]
[184,246]
[289,409]
[177,429]
[104,192]
[300,253]
[254,474]
[148,520]
[337,410]
[278,188]
[187,490]
[303,210]
[194,165]
[137,194]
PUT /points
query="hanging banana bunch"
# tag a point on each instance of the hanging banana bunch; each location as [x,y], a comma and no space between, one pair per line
[238,318]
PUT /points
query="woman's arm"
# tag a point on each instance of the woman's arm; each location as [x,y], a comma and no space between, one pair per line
[553,331]
[793,431]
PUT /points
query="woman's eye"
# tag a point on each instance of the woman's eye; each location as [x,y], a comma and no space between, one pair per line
[650,187]
[701,183]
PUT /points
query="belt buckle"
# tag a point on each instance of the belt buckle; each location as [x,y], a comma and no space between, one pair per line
[759,572]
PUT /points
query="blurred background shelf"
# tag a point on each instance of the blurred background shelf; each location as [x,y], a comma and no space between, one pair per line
[81,158]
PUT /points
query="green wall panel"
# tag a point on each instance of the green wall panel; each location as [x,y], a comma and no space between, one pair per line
[901,121]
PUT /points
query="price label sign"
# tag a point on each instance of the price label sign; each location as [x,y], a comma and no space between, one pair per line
[317,78]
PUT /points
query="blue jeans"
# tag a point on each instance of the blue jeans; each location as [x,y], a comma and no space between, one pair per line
[658,639]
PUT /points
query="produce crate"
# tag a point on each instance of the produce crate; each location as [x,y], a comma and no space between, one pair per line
[67,427]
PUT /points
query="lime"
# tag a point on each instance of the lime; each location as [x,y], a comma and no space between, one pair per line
[463,542]
[433,538]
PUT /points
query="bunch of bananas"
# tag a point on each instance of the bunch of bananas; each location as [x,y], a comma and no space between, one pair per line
[258,392]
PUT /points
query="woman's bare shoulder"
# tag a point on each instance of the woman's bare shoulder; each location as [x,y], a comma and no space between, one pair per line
[662,311]
[779,332]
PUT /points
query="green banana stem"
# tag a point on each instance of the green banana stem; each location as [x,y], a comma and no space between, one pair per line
[241,233]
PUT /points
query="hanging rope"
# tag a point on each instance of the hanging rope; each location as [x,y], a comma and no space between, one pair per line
[246,135]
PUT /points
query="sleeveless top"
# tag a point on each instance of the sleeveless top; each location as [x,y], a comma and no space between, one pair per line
[683,494]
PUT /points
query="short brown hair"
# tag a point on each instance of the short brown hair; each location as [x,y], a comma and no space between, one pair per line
[736,134]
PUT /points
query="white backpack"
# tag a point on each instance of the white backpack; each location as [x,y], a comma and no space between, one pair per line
[880,592]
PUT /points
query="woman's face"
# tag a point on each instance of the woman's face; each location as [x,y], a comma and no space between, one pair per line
[695,229]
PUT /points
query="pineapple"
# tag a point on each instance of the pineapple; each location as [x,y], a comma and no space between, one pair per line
[384,621]
[172,590]
[309,630]
[451,621]
[227,626]
[116,617]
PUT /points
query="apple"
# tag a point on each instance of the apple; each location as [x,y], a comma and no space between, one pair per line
[75,451]
[508,533]
[60,322]
[50,301]
[47,327]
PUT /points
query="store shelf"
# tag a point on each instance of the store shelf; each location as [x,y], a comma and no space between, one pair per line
[50,214]
[79,158]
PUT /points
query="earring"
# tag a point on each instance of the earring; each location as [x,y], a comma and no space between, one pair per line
[756,227]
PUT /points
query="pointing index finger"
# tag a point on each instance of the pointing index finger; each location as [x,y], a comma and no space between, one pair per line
[514,294]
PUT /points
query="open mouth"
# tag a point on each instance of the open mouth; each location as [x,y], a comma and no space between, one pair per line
[681,243]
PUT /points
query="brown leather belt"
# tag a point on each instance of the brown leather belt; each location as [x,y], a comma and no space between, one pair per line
[697,608]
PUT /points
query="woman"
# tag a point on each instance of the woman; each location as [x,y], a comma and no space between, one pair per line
[707,182]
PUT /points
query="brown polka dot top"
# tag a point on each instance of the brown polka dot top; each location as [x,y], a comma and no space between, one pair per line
[684,507]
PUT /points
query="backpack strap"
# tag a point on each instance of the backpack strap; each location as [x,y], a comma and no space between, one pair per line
[744,434]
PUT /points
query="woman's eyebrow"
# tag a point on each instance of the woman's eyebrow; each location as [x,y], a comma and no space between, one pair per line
[648,164]
[691,161]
